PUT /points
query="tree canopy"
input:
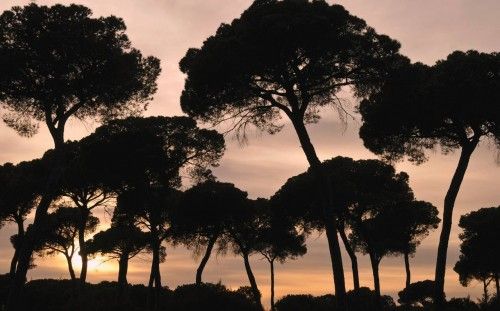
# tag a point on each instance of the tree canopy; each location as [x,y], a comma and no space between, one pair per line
[452,104]
[79,66]
[479,250]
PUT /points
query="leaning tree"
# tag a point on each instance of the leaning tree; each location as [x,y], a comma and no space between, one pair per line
[453,104]
[21,186]
[200,219]
[480,251]
[62,64]
[286,58]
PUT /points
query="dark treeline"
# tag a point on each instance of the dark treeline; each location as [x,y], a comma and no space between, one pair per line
[279,59]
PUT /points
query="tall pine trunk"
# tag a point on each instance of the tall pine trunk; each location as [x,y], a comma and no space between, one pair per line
[374,261]
[205,258]
[407,268]
[352,256]
[20,237]
[155,275]
[253,282]
[81,241]
[40,221]
[449,203]
[271,263]
[328,214]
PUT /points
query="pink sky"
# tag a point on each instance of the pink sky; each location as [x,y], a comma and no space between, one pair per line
[428,30]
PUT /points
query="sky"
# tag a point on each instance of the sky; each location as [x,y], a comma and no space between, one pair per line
[428,31]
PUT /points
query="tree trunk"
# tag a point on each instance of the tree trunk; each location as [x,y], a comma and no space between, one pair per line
[70,267]
[155,275]
[205,258]
[407,268]
[122,270]
[352,256]
[39,222]
[327,205]
[271,263]
[449,203]
[253,283]
[376,280]
[20,237]
[486,297]
[81,241]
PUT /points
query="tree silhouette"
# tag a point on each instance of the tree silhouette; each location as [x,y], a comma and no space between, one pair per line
[479,251]
[278,241]
[418,293]
[142,160]
[61,232]
[83,184]
[410,222]
[242,230]
[20,191]
[122,241]
[200,219]
[421,107]
[79,67]
[369,198]
[291,58]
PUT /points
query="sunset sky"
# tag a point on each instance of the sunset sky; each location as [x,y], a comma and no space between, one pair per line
[428,30]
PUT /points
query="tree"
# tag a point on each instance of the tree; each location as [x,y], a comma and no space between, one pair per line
[368,194]
[479,250]
[142,160]
[279,241]
[410,222]
[61,233]
[122,241]
[63,64]
[453,104]
[21,188]
[286,58]
[82,184]
[199,220]
[421,292]
[244,237]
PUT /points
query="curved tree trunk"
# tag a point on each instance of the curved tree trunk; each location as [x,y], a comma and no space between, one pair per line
[449,203]
[205,258]
[329,217]
[81,241]
[39,222]
[486,296]
[253,283]
[352,256]
[407,268]
[70,267]
[271,263]
[376,279]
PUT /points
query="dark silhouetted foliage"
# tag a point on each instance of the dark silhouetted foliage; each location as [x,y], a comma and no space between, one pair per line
[480,249]
[418,293]
[286,58]
[453,104]
[62,63]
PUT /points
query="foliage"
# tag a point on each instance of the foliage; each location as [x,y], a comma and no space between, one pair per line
[78,66]
[421,107]
[418,293]
[317,49]
[479,250]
